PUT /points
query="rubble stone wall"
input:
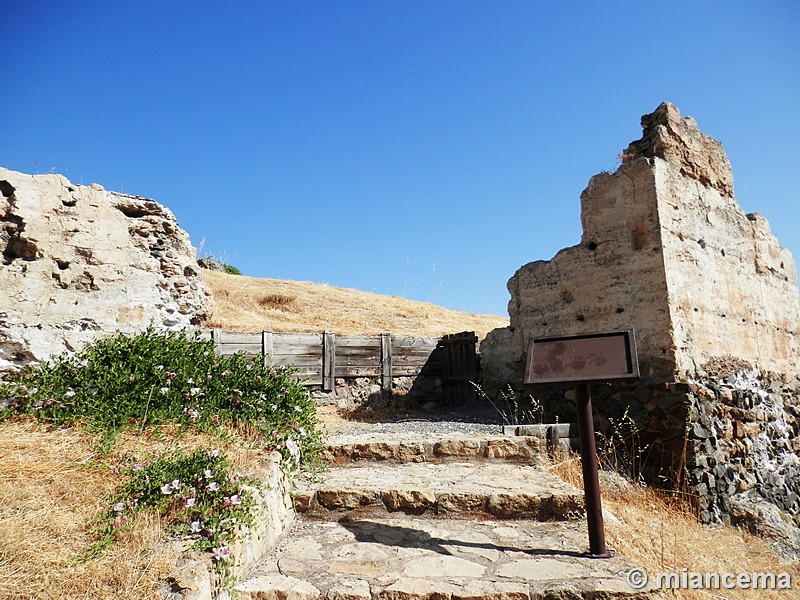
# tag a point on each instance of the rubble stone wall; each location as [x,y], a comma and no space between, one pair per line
[79,260]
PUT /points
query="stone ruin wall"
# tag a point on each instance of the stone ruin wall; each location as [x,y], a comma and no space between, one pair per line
[732,288]
[713,298]
[79,261]
[667,250]
[614,279]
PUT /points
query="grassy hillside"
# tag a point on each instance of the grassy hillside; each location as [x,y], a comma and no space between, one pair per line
[250,304]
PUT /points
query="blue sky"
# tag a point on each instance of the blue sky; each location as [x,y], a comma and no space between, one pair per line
[426,149]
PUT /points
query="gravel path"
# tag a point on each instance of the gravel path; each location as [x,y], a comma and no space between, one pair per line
[473,420]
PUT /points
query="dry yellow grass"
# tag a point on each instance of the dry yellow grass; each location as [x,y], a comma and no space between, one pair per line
[53,484]
[660,534]
[250,304]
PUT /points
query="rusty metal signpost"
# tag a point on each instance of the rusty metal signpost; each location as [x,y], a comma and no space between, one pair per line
[581,360]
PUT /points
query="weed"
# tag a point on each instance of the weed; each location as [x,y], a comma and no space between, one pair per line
[222,262]
[157,379]
[621,450]
[515,409]
[278,301]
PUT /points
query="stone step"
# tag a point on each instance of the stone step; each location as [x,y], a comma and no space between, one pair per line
[424,559]
[463,490]
[414,446]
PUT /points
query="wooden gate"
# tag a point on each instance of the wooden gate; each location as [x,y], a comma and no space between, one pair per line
[460,367]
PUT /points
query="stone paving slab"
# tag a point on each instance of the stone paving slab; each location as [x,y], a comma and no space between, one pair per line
[414,446]
[471,490]
[439,559]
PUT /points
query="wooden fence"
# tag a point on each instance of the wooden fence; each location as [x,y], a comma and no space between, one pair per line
[321,358]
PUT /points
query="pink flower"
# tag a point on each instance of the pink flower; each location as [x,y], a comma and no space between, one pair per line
[212,486]
[221,553]
[166,489]
[195,527]
[236,500]
[191,501]
[119,506]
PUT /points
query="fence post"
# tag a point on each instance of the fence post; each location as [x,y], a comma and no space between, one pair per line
[216,337]
[386,361]
[328,361]
[267,348]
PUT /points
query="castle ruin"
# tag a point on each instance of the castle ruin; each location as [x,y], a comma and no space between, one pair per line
[713,299]
[667,250]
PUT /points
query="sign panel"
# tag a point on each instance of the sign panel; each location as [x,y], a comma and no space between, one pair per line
[588,358]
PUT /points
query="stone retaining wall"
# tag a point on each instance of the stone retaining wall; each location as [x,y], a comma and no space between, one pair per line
[194,578]
[350,393]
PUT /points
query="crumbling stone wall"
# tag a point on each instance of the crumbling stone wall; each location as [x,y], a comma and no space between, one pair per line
[79,260]
[713,299]
[667,250]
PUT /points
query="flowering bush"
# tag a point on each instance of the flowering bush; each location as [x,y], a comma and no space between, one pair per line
[164,377]
[158,378]
[200,495]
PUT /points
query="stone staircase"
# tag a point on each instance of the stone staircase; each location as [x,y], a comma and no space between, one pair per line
[429,515]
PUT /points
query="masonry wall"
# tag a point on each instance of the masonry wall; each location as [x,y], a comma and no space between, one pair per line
[78,260]
[614,279]
[732,289]
[666,250]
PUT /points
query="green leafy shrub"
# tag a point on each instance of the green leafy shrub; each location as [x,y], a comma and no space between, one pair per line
[230,269]
[200,495]
[165,378]
[156,378]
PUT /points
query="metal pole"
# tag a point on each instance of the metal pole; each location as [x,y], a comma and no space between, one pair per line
[591,482]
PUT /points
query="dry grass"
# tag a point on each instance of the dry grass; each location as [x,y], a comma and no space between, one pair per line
[660,534]
[250,304]
[52,486]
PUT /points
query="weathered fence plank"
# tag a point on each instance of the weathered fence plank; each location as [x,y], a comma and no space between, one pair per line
[328,361]
[320,358]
